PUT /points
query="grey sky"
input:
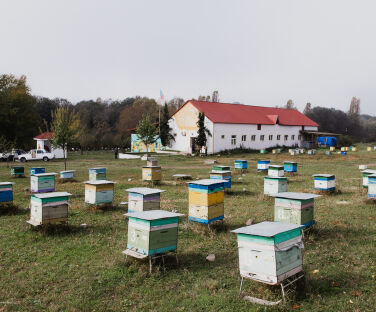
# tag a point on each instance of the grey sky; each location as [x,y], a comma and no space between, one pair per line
[255,52]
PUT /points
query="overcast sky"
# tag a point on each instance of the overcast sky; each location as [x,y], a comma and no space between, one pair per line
[254,52]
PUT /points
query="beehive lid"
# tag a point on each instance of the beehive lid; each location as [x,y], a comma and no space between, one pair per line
[294,195]
[208,182]
[372,176]
[276,166]
[6,183]
[52,194]
[323,175]
[370,171]
[266,228]
[151,166]
[275,178]
[67,171]
[144,190]
[263,161]
[290,162]
[220,171]
[151,215]
[181,175]
[99,182]
[240,160]
[44,174]
[98,168]
[37,168]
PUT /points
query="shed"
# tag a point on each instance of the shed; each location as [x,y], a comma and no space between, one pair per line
[96,174]
[295,208]
[67,174]
[275,185]
[152,173]
[42,182]
[17,171]
[48,208]
[37,170]
[99,192]
[143,199]
[206,200]
[222,175]
[324,182]
[276,171]
[290,166]
[365,174]
[269,252]
[263,165]
[6,192]
[241,164]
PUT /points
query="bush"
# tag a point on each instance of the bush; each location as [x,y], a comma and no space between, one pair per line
[344,140]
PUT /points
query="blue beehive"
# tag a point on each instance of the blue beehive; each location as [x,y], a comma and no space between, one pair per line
[6,192]
[290,166]
[263,165]
[241,164]
[343,153]
[37,170]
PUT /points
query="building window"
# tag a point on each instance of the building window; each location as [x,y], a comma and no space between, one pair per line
[270,137]
[258,127]
[262,137]
[253,138]
[299,137]
[286,137]
[233,140]
[222,136]
[278,137]
[293,137]
[244,138]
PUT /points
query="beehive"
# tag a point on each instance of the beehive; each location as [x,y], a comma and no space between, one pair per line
[206,200]
[153,173]
[143,199]
[263,165]
[48,208]
[67,174]
[343,149]
[372,186]
[42,182]
[275,171]
[366,174]
[290,166]
[99,192]
[96,174]
[222,175]
[263,151]
[294,152]
[221,168]
[17,171]
[363,167]
[295,208]
[275,185]
[332,148]
[241,164]
[324,182]
[151,162]
[152,232]
[328,153]
[6,192]
[343,153]
[354,149]
[274,151]
[270,252]
[369,148]
[37,170]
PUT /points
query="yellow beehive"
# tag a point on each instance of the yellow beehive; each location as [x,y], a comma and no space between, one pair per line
[206,212]
[152,173]
[346,149]
[274,151]
[343,149]
[354,149]
[369,148]
[332,148]
[202,199]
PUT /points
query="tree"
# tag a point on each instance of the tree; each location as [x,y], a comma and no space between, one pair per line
[354,106]
[146,131]
[165,129]
[64,124]
[290,104]
[202,131]
[204,98]
[215,96]
[307,108]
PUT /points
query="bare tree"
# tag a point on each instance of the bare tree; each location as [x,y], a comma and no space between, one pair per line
[307,108]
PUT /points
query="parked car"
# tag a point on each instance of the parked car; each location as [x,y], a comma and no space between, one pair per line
[6,156]
[36,155]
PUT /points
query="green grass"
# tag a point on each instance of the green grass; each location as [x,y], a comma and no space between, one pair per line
[63,268]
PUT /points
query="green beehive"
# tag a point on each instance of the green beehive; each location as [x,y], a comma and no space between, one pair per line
[17,171]
[221,168]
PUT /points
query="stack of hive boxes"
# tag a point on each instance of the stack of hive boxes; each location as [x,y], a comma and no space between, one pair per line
[324,182]
[144,199]
[152,172]
[270,252]
[222,173]
[42,182]
[99,192]
[96,174]
[48,208]
[206,200]
[6,193]
[365,174]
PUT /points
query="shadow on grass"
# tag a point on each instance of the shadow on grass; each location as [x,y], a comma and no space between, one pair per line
[60,229]
[12,210]
[240,193]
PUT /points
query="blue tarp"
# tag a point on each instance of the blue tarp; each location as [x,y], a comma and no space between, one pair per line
[327,141]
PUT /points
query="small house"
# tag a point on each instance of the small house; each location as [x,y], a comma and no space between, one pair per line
[42,182]
[99,192]
[206,200]
[365,174]
[144,199]
[17,171]
[67,174]
[324,182]
[269,252]
[37,170]
[222,175]
[290,166]
[96,174]
[263,165]
[48,208]
[241,164]
[276,171]
[294,208]
[6,192]
[275,185]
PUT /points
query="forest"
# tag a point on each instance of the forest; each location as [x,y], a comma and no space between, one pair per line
[107,123]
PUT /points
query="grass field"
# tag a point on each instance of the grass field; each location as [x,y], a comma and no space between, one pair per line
[71,268]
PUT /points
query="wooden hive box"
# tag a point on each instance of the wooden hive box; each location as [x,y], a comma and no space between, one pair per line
[151,162]
[42,182]
[270,252]
[295,208]
[153,232]
[275,185]
[99,192]
[241,164]
[6,192]
[276,171]
[96,174]
[263,151]
[328,153]
[372,186]
[206,200]
[67,174]
[343,153]
[48,208]
[152,173]
[263,165]
[369,148]
[274,151]
[143,199]
[324,182]
[17,171]
[37,170]
[221,168]
[222,175]
[290,166]
[363,167]
[365,174]
[332,149]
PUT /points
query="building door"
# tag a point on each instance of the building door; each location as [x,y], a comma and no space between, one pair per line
[193,145]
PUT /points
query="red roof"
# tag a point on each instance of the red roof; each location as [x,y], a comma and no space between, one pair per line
[247,114]
[45,136]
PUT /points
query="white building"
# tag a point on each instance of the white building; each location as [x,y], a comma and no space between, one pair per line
[44,143]
[236,125]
